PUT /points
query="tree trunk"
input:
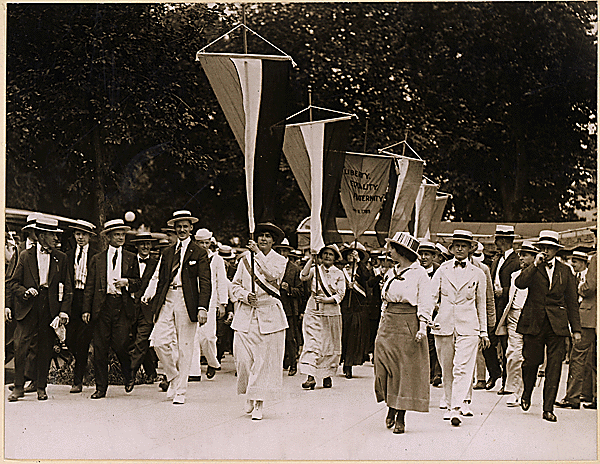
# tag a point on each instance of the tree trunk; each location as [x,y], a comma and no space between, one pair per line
[100,177]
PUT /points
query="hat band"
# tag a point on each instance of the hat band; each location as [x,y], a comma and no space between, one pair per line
[462,237]
[549,239]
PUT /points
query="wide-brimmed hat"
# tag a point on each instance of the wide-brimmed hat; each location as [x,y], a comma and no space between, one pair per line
[504,231]
[549,237]
[275,231]
[284,244]
[576,254]
[226,252]
[143,237]
[115,224]
[528,247]
[462,236]
[182,215]
[31,221]
[83,226]
[407,242]
[356,245]
[203,234]
[46,224]
[426,245]
[333,247]
[168,229]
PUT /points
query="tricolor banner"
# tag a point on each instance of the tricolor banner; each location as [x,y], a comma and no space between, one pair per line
[363,188]
[315,152]
[438,211]
[424,206]
[405,181]
[253,93]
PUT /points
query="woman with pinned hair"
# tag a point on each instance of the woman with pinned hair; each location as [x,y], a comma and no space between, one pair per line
[401,350]
[322,322]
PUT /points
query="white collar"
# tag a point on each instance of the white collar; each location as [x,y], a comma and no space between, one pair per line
[112,250]
[185,242]
[507,253]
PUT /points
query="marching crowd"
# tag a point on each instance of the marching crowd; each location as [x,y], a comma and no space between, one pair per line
[423,315]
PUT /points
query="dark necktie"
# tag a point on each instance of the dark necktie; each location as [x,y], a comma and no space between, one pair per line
[549,265]
[176,262]
[79,254]
[462,264]
[114,262]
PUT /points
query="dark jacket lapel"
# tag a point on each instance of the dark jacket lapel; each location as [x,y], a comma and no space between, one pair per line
[33,267]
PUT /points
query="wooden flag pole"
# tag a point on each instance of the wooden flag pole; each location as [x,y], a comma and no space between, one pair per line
[310,115]
[366,132]
[245,30]
[352,275]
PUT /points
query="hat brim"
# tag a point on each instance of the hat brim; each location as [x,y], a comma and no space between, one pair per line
[428,248]
[336,253]
[42,229]
[413,253]
[171,222]
[549,243]
[113,229]
[82,229]
[276,232]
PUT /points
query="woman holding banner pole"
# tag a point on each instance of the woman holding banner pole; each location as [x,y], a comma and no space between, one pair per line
[322,322]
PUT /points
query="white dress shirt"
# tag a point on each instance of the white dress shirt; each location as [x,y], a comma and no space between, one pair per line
[43,260]
[184,245]
[81,266]
[112,275]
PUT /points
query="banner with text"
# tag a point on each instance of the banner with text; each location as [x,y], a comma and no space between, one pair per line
[365,181]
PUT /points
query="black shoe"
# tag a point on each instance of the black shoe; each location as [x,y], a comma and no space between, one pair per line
[502,391]
[437,381]
[129,386]
[293,371]
[491,383]
[77,388]
[98,394]
[566,404]
[163,385]
[480,385]
[399,428]
[348,372]
[193,378]
[41,394]
[210,372]
[592,405]
[17,393]
[549,416]
[327,382]
[310,383]
[525,403]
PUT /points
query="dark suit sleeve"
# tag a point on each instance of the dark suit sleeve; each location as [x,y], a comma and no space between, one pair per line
[15,283]
[571,301]
[65,306]
[526,276]
[511,267]
[296,284]
[204,281]
[133,275]
[90,284]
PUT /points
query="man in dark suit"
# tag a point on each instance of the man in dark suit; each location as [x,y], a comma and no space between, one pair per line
[181,303]
[551,307]
[79,334]
[141,354]
[503,265]
[113,278]
[291,292]
[41,287]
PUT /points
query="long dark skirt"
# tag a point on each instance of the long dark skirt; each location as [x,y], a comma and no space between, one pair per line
[401,364]
[356,331]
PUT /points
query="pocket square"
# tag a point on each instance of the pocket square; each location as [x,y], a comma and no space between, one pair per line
[191,263]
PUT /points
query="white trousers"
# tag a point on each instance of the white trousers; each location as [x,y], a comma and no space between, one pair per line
[173,338]
[514,354]
[205,343]
[457,354]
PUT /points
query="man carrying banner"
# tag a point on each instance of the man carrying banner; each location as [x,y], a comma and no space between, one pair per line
[259,321]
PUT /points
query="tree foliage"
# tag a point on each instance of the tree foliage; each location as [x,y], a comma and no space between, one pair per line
[107,109]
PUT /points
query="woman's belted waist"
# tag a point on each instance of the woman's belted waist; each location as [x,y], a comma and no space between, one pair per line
[401,308]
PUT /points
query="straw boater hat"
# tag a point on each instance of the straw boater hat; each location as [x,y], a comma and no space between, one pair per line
[528,247]
[505,231]
[333,247]
[83,226]
[275,231]
[443,250]
[462,236]
[168,229]
[426,245]
[549,237]
[115,224]
[226,252]
[203,234]
[46,224]
[407,242]
[31,221]
[181,215]
[143,237]
[579,255]
[284,244]
[362,251]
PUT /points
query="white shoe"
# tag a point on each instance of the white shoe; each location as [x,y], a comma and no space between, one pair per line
[455,418]
[179,399]
[465,410]
[249,407]
[447,414]
[257,411]
[512,401]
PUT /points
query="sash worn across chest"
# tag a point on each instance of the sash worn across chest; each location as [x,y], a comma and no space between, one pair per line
[261,280]
[353,284]
[325,286]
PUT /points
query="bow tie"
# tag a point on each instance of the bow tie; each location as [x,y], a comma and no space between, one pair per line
[462,264]
[549,265]
[45,251]
[143,260]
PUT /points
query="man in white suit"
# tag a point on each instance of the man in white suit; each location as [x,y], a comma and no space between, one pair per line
[461,323]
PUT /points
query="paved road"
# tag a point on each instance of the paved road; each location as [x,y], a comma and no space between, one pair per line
[342,423]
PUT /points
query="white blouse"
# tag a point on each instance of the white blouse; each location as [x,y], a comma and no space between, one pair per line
[335,282]
[407,286]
